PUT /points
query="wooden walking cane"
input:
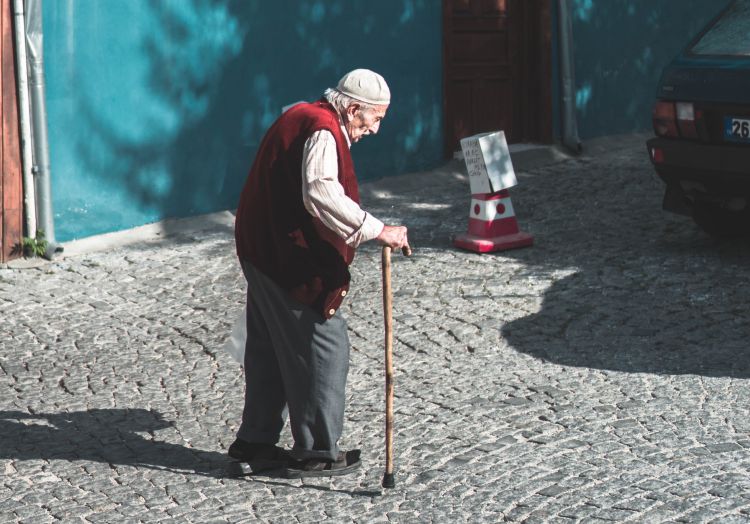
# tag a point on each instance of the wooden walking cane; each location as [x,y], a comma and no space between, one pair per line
[389,480]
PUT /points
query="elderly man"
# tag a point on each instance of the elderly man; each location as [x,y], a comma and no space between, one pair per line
[298,224]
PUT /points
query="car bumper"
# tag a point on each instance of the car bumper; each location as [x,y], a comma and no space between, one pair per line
[721,169]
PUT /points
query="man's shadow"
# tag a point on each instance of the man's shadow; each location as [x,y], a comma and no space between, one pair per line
[113,436]
[119,437]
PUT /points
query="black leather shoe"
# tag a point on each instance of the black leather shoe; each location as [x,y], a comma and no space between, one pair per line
[258,457]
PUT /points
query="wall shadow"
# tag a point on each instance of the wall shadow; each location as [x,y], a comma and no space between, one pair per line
[628,287]
[648,292]
[215,75]
[110,436]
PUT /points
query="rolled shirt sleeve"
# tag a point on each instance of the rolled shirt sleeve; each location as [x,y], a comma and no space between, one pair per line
[324,196]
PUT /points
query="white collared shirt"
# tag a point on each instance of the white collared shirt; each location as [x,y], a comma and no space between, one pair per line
[324,196]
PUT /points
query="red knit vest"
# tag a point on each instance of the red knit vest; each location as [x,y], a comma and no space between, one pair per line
[274,231]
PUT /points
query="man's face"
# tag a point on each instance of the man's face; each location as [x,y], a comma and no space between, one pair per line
[363,122]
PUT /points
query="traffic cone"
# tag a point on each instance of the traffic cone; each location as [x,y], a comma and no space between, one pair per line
[492,225]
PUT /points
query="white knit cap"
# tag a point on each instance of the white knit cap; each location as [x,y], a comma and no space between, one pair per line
[365,86]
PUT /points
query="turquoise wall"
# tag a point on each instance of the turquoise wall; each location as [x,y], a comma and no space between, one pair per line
[155,108]
[620,48]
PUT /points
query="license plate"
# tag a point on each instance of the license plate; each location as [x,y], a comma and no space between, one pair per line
[736,129]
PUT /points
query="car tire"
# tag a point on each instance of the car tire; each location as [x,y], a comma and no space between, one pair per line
[719,221]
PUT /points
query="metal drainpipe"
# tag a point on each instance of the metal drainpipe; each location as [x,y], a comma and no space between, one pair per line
[570,137]
[34,40]
[27,160]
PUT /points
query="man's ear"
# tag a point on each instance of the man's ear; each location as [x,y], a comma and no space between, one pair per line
[351,111]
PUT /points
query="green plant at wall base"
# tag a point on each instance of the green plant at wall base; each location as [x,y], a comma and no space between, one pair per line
[34,247]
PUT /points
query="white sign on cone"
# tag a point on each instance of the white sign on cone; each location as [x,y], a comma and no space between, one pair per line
[488,162]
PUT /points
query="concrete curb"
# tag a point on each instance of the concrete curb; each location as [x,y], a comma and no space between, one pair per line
[151,233]
[154,234]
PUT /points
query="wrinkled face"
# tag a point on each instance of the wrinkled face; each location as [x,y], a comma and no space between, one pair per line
[361,122]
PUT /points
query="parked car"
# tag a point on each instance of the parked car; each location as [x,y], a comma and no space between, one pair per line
[701,119]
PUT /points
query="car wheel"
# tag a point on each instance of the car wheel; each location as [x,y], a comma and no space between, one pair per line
[719,221]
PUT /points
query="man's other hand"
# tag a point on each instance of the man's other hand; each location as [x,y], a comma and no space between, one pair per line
[394,236]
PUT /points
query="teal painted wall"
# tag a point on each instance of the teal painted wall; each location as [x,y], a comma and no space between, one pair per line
[620,48]
[156,108]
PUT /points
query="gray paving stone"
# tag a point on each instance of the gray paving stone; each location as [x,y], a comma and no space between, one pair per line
[600,375]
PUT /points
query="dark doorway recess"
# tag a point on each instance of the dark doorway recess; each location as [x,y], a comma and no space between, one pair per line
[497,69]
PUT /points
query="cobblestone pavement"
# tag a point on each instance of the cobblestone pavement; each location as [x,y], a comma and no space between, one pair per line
[601,375]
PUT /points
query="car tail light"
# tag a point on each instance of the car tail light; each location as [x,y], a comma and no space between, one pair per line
[686,117]
[664,119]
[657,155]
[675,119]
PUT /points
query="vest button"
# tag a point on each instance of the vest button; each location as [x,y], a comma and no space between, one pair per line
[343,293]
[331,311]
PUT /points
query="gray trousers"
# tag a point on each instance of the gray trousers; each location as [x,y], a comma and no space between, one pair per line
[296,362]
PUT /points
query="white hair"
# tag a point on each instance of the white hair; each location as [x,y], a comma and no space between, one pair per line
[340,101]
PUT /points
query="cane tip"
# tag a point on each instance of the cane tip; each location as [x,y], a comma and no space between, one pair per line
[389,481]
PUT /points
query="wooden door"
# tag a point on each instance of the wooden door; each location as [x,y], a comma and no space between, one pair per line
[11,210]
[497,69]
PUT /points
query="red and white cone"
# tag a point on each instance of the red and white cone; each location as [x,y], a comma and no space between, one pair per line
[492,225]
